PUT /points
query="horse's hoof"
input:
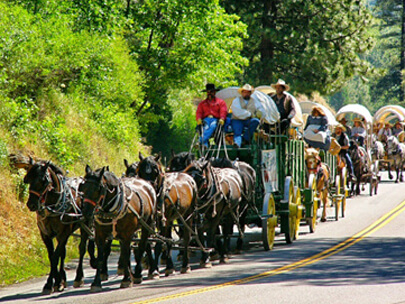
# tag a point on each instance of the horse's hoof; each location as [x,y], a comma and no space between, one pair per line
[224,260]
[96,289]
[126,284]
[103,277]
[77,284]
[154,276]
[169,272]
[137,280]
[120,271]
[323,219]
[59,288]
[214,256]
[46,292]
[205,264]
[185,270]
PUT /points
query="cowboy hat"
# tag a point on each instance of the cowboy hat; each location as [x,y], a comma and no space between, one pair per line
[357,119]
[343,120]
[281,83]
[340,126]
[210,87]
[246,87]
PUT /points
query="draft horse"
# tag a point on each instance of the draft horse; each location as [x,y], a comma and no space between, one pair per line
[55,199]
[322,173]
[177,198]
[248,176]
[120,207]
[219,194]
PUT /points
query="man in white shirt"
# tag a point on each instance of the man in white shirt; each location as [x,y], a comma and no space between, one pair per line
[246,113]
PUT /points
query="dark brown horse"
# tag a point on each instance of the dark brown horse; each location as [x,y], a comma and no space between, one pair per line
[219,193]
[120,207]
[177,197]
[248,176]
[54,198]
[180,161]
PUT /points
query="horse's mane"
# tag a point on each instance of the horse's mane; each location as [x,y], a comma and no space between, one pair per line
[54,167]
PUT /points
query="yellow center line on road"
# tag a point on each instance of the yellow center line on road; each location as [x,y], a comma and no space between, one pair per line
[384,220]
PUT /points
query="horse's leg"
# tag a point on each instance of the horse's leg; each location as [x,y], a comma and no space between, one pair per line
[185,268]
[79,282]
[389,171]
[91,249]
[242,223]
[139,254]
[401,168]
[169,261]
[153,272]
[59,254]
[48,288]
[106,254]
[100,242]
[227,230]
[125,260]
[324,202]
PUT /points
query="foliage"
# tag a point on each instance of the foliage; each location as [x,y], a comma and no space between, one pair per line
[314,45]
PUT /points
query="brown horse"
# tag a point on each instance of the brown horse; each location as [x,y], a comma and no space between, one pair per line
[248,176]
[322,173]
[177,197]
[54,198]
[219,194]
[120,207]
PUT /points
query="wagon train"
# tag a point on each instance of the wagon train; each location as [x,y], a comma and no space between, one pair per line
[194,204]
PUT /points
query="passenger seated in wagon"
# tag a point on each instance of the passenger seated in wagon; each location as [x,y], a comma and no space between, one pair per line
[344,143]
[246,114]
[385,132]
[316,133]
[358,131]
[397,129]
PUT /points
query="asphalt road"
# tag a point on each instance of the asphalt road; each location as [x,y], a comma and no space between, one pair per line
[358,259]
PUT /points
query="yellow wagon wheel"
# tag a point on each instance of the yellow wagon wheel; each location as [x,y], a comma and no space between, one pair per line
[269,222]
[338,197]
[345,189]
[292,216]
[298,209]
[315,203]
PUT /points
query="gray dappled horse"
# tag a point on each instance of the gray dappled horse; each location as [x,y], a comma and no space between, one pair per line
[395,152]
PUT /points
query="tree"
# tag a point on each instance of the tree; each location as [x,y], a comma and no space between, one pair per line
[314,45]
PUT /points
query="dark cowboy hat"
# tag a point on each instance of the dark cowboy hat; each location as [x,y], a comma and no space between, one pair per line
[210,87]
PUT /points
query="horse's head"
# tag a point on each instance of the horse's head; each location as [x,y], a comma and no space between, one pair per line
[392,145]
[198,171]
[96,189]
[150,169]
[180,161]
[312,159]
[42,180]
[131,168]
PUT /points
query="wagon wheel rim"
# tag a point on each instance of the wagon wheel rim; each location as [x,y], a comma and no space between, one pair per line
[297,206]
[337,197]
[315,200]
[289,197]
[269,224]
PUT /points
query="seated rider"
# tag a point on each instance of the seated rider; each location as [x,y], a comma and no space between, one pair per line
[358,131]
[284,104]
[210,112]
[397,129]
[385,132]
[344,143]
[316,130]
[246,113]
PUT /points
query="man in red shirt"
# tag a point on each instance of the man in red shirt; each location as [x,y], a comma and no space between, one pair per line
[210,112]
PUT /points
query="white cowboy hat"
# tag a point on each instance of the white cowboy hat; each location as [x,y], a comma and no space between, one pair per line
[281,83]
[246,87]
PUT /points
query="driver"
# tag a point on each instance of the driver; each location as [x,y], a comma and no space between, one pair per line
[358,131]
